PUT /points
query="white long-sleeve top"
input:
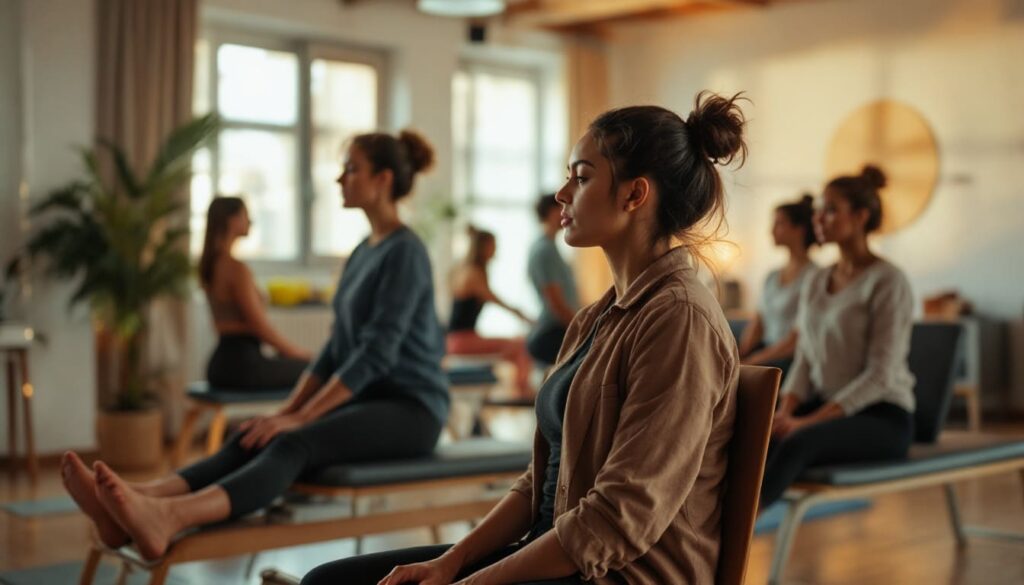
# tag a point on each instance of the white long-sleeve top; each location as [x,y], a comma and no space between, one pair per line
[853,344]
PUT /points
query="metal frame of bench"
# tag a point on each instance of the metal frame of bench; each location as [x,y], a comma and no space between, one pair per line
[250,536]
[804,495]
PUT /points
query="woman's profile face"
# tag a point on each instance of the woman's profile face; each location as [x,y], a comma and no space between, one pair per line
[488,249]
[590,215]
[239,223]
[360,186]
[836,221]
[784,233]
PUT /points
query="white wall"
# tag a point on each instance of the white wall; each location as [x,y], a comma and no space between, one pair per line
[52,96]
[807,65]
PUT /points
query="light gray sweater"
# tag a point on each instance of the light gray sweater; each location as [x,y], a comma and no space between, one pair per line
[853,344]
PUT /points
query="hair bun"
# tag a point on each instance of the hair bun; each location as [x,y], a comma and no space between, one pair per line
[421,153]
[716,127]
[874,176]
[807,200]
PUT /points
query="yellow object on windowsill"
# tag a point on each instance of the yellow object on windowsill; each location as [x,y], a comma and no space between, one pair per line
[289,292]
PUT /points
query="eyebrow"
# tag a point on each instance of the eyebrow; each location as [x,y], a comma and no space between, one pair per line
[581,162]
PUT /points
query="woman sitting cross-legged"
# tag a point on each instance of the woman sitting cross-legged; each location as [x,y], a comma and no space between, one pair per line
[634,422]
[376,391]
[849,396]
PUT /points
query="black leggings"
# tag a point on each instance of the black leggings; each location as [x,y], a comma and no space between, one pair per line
[370,569]
[362,430]
[879,432]
[238,363]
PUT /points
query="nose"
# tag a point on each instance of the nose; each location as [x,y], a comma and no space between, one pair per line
[564,196]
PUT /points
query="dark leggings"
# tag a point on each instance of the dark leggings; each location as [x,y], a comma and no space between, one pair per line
[879,432]
[237,363]
[370,569]
[361,430]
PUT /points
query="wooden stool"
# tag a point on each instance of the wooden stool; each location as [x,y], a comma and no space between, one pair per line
[15,342]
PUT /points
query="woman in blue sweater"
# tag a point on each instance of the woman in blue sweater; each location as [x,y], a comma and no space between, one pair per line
[376,391]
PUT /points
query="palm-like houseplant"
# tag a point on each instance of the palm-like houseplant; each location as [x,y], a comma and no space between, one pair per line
[123,239]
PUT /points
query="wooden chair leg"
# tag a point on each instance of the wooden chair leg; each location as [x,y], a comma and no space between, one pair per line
[92,562]
[158,574]
[12,416]
[218,426]
[184,440]
[27,391]
[435,534]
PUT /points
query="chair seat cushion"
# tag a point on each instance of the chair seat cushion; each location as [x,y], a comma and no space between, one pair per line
[203,392]
[470,374]
[464,458]
[954,450]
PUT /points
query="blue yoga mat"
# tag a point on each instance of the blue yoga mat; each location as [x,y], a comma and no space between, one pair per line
[67,574]
[770,520]
[48,507]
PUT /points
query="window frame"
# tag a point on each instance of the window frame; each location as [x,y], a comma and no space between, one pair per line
[306,51]
[532,74]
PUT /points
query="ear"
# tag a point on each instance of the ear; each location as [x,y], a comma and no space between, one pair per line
[638,192]
[863,216]
[385,178]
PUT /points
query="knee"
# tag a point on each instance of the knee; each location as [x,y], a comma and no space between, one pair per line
[291,443]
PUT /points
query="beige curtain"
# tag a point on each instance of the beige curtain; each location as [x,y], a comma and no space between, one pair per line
[588,97]
[145,58]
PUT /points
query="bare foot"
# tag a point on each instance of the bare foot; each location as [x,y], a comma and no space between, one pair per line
[147,520]
[81,484]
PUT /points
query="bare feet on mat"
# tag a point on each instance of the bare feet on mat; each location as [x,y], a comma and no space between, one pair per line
[148,521]
[81,485]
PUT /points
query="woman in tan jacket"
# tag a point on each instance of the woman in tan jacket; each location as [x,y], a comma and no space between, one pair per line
[634,422]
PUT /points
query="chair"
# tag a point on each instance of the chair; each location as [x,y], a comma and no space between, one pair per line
[755,405]
[931,462]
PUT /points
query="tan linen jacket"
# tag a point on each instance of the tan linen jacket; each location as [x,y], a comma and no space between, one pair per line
[647,424]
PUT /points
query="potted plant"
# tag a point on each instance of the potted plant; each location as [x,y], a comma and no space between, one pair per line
[123,240]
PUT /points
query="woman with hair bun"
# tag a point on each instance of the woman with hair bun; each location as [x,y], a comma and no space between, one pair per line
[770,338]
[471,290]
[849,394]
[375,392]
[634,421]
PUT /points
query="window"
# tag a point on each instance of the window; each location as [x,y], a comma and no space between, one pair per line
[496,122]
[287,109]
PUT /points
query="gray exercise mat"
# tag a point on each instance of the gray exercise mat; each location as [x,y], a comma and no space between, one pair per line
[48,507]
[68,573]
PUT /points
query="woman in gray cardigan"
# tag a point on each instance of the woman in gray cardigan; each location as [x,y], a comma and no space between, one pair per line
[376,391]
[849,395]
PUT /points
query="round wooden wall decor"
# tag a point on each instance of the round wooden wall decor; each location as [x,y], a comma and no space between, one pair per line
[896,138]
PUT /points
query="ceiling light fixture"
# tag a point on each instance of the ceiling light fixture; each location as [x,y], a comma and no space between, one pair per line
[462,8]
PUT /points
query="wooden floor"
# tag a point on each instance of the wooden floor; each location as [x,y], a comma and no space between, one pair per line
[901,539]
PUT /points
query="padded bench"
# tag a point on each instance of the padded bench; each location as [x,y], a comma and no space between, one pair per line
[471,463]
[218,402]
[937,458]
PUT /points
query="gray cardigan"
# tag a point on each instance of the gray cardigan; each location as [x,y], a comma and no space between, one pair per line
[853,344]
[386,336]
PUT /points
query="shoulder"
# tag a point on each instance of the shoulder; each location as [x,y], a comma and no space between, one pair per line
[683,302]
[888,276]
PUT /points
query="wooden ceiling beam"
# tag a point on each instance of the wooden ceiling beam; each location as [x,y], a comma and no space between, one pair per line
[561,14]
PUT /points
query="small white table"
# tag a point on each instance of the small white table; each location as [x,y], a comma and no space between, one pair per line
[15,342]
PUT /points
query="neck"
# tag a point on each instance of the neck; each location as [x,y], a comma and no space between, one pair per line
[855,254]
[551,231]
[630,256]
[383,220]
[798,256]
